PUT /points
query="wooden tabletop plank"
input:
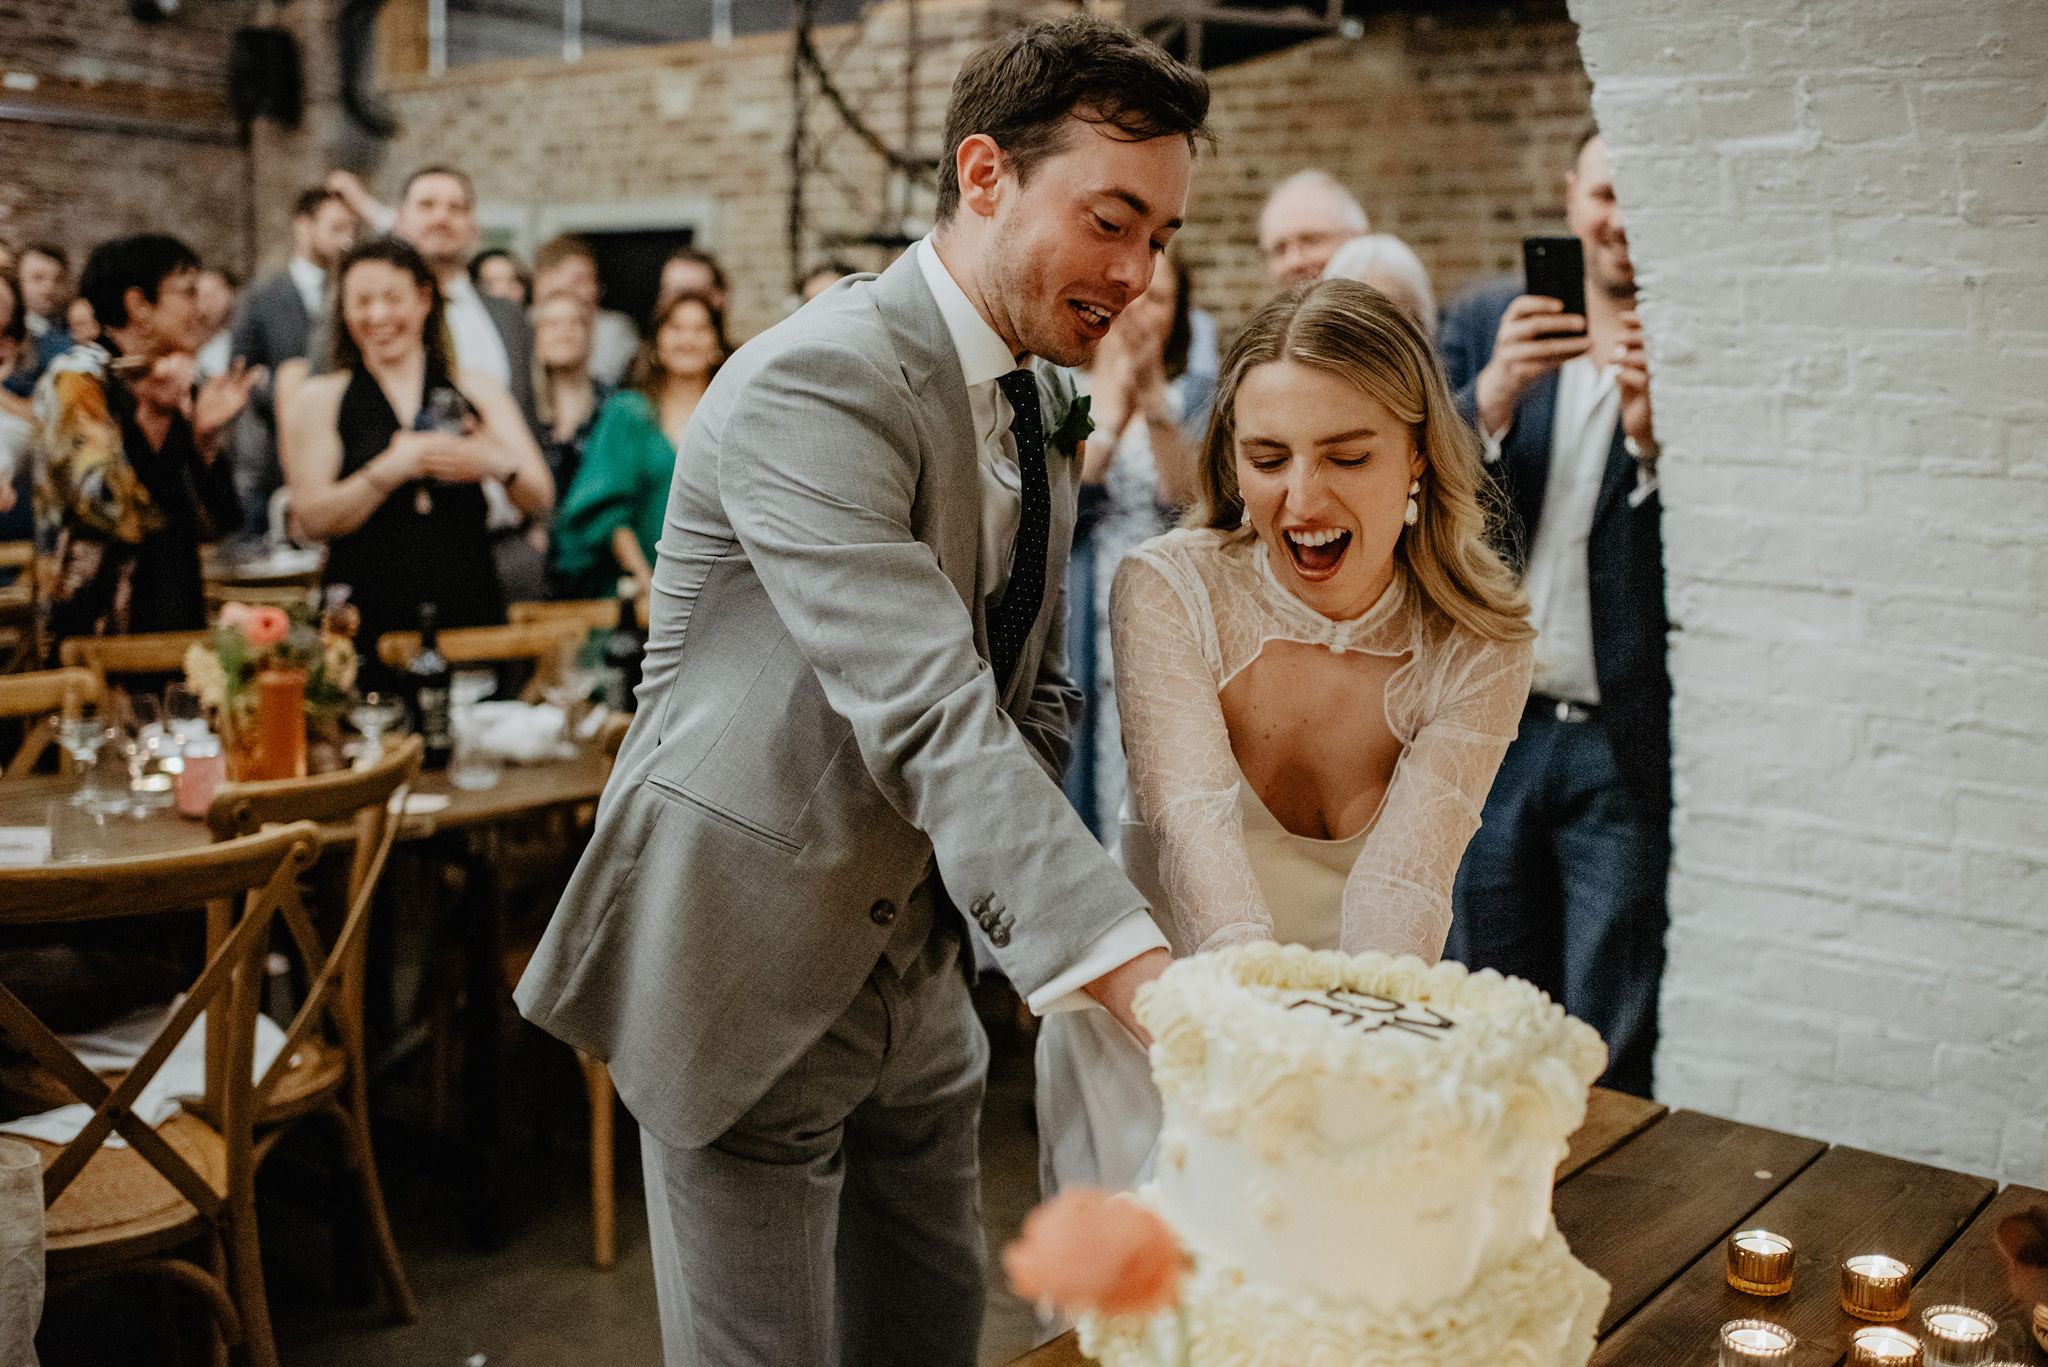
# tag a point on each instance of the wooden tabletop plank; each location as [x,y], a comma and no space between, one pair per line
[1612,1119]
[1064,1351]
[1640,1216]
[1970,1273]
[1846,1202]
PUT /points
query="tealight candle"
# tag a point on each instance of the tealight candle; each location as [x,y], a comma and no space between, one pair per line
[2041,1326]
[1760,1262]
[1956,1335]
[1878,1346]
[1756,1343]
[1876,1288]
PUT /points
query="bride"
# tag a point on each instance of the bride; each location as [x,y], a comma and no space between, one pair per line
[1318,675]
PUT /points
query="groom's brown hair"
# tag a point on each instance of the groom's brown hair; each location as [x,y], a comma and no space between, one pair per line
[1022,89]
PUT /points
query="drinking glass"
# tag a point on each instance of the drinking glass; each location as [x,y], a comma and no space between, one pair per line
[153,755]
[374,714]
[574,677]
[183,712]
[473,766]
[81,734]
[77,833]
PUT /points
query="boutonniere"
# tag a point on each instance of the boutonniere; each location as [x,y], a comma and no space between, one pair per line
[1074,428]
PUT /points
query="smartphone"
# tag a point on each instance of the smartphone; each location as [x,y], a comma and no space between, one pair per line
[1555,267]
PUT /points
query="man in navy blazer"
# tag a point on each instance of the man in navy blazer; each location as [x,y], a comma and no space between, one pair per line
[1565,882]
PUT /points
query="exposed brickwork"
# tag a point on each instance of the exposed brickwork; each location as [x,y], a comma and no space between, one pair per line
[1836,215]
[81,187]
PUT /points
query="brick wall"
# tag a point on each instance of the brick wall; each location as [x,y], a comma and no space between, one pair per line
[1836,217]
[81,186]
[1454,130]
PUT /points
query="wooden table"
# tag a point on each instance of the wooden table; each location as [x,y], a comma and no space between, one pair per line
[1647,1197]
[464,828]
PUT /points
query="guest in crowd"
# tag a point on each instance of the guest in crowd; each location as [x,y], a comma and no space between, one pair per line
[80,322]
[568,265]
[690,270]
[497,273]
[824,276]
[217,292]
[386,456]
[1306,218]
[1390,266]
[1137,473]
[566,395]
[44,274]
[1564,885]
[128,476]
[611,516]
[16,416]
[277,321]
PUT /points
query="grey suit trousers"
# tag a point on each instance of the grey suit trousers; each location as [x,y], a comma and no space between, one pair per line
[838,1221]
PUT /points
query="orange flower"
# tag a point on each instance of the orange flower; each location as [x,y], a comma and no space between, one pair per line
[266,626]
[1086,1250]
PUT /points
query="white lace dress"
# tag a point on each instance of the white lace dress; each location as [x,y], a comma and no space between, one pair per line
[1189,610]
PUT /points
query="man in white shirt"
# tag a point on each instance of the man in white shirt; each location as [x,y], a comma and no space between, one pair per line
[1306,219]
[1564,883]
[278,319]
[851,726]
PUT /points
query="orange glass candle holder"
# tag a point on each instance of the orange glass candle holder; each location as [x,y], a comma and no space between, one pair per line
[1876,1288]
[1760,1262]
[273,745]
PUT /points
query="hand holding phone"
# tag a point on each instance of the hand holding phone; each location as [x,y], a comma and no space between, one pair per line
[1555,268]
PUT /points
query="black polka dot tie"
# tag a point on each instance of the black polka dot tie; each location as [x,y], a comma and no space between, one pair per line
[1009,624]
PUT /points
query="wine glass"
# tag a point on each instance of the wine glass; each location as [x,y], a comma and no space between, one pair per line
[81,733]
[153,754]
[374,714]
[575,675]
[183,712]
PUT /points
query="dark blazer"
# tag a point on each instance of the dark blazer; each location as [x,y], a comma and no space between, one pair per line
[1624,553]
[517,335]
[273,325]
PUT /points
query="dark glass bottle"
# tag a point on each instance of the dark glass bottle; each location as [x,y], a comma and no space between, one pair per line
[427,682]
[623,651]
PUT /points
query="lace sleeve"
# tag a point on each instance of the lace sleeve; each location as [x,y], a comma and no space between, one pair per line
[1398,897]
[1183,778]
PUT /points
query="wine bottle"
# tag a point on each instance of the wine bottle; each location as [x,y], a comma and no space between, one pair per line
[427,682]
[623,650]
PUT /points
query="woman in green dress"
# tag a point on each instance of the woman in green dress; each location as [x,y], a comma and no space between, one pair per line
[611,517]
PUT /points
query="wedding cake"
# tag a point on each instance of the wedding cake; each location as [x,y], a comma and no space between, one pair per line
[1358,1154]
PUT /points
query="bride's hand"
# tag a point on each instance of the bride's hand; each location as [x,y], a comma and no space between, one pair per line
[1117,989]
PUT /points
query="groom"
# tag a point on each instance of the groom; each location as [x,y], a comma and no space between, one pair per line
[851,728]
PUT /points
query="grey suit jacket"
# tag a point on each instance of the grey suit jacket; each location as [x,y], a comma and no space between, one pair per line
[818,726]
[273,325]
[517,335]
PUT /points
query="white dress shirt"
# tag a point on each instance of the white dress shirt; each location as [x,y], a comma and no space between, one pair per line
[1558,581]
[311,283]
[477,343]
[614,342]
[984,359]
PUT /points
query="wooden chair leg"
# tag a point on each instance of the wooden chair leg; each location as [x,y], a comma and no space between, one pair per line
[355,1122]
[597,1082]
[245,1270]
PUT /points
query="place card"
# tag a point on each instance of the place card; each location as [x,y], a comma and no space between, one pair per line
[1876,1288]
[24,845]
[1760,1262]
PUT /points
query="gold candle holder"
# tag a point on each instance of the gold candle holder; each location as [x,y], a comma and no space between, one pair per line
[1756,1343]
[1876,1288]
[1956,1336]
[2041,1326]
[1760,1262]
[1882,1346]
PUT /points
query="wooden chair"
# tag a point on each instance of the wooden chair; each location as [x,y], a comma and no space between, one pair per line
[542,643]
[597,1086]
[20,629]
[592,614]
[150,652]
[44,695]
[110,1211]
[324,1067]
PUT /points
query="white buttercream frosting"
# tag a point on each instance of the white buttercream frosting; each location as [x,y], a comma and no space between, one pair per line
[1358,1151]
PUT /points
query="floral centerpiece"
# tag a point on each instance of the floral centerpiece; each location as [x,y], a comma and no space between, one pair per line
[265,673]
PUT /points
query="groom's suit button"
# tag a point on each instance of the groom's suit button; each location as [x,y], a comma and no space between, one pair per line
[980,908]
[883,912]
[999,936]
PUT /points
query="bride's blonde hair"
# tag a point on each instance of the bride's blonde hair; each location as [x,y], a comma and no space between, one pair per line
[1355,332]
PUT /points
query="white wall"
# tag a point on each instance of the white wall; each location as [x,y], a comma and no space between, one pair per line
[1836,211]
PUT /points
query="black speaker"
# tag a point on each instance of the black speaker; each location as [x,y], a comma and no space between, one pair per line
[264,80]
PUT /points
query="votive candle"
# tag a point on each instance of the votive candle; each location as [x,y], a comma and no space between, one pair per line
[1876,1288]
[1756,1343]
[1956,1336]
[1882,1346]
[1760,1262]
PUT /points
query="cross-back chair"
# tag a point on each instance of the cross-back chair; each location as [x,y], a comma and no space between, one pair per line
[191,1179]
[20,638]
[44,695]
[542,643]
[324,1066]
[147,652]
[592,614]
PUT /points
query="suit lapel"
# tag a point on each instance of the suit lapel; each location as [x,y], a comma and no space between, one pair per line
[1617,477]
[1528,456]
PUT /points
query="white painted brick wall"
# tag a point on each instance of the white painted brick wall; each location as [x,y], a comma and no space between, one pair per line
[1836,210]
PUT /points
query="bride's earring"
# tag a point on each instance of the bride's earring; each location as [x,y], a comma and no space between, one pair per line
[1245,520]
[1414,513]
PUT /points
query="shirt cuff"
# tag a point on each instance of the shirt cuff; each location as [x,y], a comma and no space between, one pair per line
[1646,484]
[1489,444]
[1117,946]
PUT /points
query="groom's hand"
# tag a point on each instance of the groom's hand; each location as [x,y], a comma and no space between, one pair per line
[1116,989]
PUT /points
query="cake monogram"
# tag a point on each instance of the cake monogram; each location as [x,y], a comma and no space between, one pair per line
[1366,1012]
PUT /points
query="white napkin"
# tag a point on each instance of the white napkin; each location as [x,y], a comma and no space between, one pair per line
[522,733]
[120,1045]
